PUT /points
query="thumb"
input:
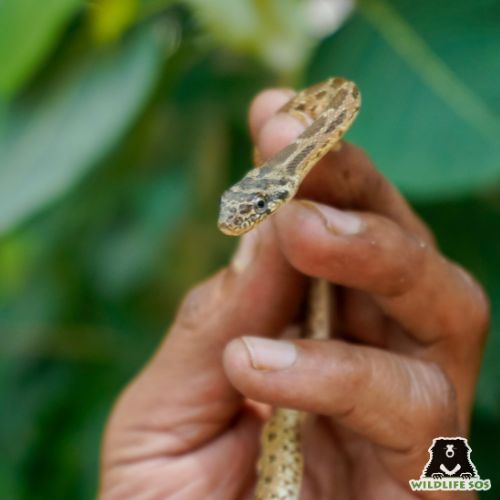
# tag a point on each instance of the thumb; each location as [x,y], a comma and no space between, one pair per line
[394,401]
[183,390]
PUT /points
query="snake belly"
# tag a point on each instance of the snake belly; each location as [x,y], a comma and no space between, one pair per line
[332,106]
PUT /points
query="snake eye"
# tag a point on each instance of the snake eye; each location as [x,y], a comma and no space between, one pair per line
[260,205]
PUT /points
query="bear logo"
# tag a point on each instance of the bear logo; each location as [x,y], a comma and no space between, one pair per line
[449,458]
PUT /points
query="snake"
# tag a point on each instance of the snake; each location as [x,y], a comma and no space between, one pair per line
[327,110]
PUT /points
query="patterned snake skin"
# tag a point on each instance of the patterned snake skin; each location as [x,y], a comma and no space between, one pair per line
[332,106]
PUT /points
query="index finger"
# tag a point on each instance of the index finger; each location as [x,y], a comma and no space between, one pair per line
[345,178]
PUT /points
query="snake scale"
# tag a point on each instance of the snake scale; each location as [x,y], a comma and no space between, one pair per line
[328,108]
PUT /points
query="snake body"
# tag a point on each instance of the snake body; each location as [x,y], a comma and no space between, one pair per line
[332,106]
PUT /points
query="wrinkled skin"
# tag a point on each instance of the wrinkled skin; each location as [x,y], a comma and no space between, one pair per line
[400,370]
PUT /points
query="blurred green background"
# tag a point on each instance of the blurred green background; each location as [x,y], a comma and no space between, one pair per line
[122,121]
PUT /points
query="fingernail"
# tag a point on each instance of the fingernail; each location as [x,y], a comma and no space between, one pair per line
[246,251]
[270,355]
[337,221]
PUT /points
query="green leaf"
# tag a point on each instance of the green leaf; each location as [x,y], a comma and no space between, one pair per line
[130,254]
[28,31]
[431,109]
[47,147]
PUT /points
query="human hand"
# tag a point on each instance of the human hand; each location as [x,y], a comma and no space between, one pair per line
[400,370]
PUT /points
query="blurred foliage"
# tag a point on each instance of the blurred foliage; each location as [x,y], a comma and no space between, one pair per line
[426,75]
[121,122]
[28,31]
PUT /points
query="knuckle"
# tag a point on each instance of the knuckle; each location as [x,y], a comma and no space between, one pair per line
[474,322]
[402,261]
[418,254]
[480,319]
[355,368]
[442,415]
[447,400]
[481,307]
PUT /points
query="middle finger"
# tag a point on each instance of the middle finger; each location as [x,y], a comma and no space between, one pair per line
[408,278]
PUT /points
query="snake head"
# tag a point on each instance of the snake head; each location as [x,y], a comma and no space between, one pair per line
[254,198]
[241,210]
